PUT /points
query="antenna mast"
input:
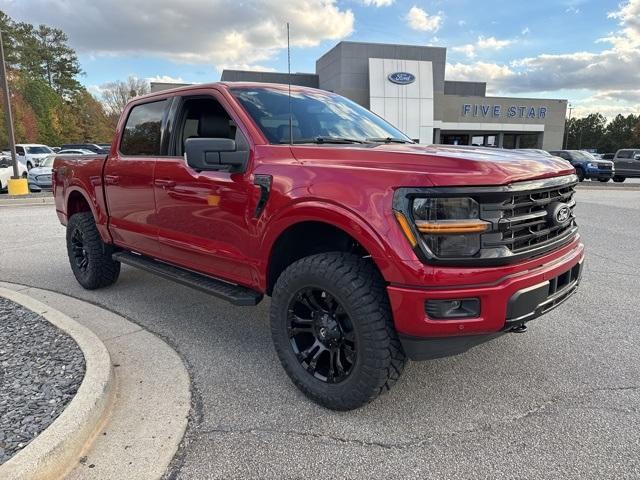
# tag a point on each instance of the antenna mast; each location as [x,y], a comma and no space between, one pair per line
[289,81]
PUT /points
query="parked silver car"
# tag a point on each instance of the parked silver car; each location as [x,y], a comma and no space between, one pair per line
[39,178]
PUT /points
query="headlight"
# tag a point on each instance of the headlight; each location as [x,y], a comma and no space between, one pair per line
[592,165]
[449,227]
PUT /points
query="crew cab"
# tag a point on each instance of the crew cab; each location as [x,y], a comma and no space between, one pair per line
[587,166]
[373,249]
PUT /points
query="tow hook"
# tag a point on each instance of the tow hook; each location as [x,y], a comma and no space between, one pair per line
[519,329]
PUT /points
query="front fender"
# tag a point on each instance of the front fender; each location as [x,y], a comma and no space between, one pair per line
[372,239]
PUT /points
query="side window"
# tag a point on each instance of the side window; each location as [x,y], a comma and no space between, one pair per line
[20,150]
[624,154]
[141,135]
[204,117]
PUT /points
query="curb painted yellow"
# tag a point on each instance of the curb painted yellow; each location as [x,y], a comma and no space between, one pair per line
[18,186]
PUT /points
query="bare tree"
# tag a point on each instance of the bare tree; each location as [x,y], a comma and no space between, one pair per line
[115,95]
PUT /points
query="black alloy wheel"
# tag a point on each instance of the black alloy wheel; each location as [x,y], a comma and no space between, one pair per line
[333,330]
[580,174]
[80,255]
[321,335]
[89,256]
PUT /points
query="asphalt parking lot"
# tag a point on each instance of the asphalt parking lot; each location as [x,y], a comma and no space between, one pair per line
[562,400]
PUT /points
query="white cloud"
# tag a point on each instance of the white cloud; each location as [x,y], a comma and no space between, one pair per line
[525,31]
[489,43]
[610,78]
[378,3]
[193,31]
[469,50]
[419,19]
[165,79]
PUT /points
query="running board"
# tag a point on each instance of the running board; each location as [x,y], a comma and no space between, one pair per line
[234,294]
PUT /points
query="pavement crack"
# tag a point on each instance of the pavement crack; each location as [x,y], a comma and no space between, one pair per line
[418,442]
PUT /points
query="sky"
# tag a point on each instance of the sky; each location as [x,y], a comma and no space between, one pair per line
[585,51]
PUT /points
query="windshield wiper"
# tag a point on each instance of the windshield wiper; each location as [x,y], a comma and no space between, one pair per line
[322,139]
[388,140]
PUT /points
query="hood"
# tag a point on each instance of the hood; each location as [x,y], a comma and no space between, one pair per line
[442,165]
[40,171]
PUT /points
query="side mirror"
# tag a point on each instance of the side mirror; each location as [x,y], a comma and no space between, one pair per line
[636,156]
[214,154]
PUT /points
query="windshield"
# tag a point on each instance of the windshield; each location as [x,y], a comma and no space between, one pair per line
[316,117]
[48,161]
[583,156]
[38,150]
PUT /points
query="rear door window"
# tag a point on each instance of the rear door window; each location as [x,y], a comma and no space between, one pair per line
[142,132]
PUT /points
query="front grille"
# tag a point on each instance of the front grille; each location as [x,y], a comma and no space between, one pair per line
[605,166]
[527,220]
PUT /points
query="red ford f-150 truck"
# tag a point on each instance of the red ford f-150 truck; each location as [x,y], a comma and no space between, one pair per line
[372,248]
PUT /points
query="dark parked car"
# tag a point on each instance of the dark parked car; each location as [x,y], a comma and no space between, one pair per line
[627,164]
[607,156]
[586,165]
[85,146]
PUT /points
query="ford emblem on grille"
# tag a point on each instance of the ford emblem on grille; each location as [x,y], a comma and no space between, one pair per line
[559,213]
[402,78]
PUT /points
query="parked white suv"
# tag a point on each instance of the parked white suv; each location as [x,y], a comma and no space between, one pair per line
[6,171]
[30,154]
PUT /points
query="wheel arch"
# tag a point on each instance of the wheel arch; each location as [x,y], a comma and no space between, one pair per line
[77,201]
[312,228]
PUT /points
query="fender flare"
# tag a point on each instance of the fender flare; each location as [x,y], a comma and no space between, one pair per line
[100,218]
[336,216]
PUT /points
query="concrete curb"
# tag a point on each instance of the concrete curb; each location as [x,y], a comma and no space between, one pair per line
[26,201]
[56,450]
[151,393]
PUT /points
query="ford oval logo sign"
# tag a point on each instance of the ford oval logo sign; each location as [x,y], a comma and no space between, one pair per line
[402,78]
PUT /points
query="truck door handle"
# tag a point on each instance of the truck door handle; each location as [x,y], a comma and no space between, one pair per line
[112,179]
[164,183]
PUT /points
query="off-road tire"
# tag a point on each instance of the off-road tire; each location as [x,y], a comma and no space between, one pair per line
[101,270]
[360,289]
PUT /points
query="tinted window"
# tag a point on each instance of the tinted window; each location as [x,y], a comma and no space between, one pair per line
[38,150]
[624,154]
[314,113]
[141,134]
[20,150]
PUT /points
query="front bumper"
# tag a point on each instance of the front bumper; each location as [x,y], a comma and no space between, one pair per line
[509,303]
[37,186]
[598,173]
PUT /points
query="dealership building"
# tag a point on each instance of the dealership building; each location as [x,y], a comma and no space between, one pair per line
[406,85]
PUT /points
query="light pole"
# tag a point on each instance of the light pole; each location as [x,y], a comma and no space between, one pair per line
[566,129]
[17,185]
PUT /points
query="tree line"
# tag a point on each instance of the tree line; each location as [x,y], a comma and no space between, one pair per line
[594,132]
[49,103]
